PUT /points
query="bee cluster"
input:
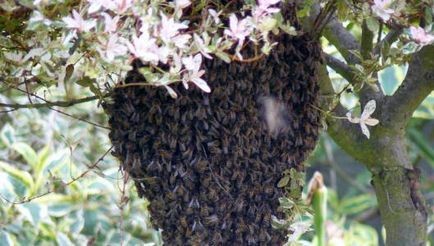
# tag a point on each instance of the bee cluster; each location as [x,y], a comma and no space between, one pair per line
[207,162]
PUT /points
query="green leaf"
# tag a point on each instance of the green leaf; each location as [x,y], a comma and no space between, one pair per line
[7,188]
[85,81]
[43,155]
[357,204]
[78,223]
[54,161]
[283,182]
[222,55]
[372,24]
[286,203]
[32,212]
[7,135]
[5,239]
[22,176]
[60,209]
[27,152]
[423,146]
[361,233]
[63,240]
[426,109]
[390,78]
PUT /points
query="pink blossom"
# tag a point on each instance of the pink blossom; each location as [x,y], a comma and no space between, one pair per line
[77,22]
[110,24]
[382,10]
[192,64]
[419,35]
[112,49]
[144,47]
[238,30]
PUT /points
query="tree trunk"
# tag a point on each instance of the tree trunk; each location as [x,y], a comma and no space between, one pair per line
[401,206]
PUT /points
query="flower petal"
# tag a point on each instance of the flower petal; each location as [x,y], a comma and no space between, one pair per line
[368,110]
[201,84]
[365,130]
[371,122]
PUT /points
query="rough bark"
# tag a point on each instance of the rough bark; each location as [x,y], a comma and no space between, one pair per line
[401,206]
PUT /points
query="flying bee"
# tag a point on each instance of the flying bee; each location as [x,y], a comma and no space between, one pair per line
[275,115]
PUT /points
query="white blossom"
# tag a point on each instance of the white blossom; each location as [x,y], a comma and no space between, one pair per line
[122,5]
[163,53]
[192,64]
[180,4]
[144,47]
[181,41]
[215,15]
[171,91]
[96,5]
[77,22]
[169,28]
[238,30]
[365,118]
[263,9]
[110,24]
[203,49]
[112,48]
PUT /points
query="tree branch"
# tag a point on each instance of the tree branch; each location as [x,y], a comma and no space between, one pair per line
[51,104]
[335,33]
[341,68]
[345,134]
[417,85]
[367,93]
[367,41]
[343,40]
[391,37]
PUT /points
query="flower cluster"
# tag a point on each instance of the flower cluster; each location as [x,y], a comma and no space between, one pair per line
[124,32]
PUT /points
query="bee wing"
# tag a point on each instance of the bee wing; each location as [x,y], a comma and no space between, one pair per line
[368,110]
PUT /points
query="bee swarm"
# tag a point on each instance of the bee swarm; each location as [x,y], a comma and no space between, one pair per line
[207,162]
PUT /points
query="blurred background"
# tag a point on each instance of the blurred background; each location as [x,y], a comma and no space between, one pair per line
[59,156]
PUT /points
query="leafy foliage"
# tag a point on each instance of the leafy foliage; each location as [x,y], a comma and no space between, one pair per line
[40,205]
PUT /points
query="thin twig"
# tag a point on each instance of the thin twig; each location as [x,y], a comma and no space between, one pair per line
[26,200]
[341,68]
[64,113]
[123,201]
[48,104]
